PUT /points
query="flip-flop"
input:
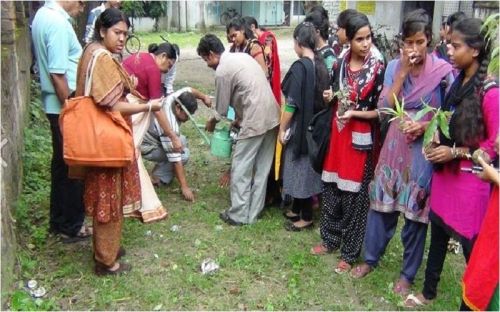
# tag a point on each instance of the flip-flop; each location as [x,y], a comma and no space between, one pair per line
[361,271]
[342,267]
[416,302]
[289,226]
[100,270]
[402,287]
[84,233]
[320,250]
[294,218]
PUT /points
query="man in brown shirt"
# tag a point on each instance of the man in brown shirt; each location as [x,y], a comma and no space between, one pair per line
[239,80]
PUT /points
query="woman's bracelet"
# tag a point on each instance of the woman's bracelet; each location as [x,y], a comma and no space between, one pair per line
[459,153]
[454,151]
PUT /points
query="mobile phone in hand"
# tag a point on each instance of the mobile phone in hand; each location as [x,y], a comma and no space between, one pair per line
[475,169]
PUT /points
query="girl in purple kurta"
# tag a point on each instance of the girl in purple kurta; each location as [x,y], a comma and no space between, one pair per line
[459,199]
[403,176]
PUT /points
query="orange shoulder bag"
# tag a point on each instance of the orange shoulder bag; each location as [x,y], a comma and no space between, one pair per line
[94,136]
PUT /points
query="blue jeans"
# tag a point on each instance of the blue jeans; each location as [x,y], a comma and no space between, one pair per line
[380,229]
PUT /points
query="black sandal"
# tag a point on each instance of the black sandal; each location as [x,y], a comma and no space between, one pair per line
[84,234]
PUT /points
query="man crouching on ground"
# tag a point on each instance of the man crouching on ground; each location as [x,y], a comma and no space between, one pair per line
[239,80]
[157,147]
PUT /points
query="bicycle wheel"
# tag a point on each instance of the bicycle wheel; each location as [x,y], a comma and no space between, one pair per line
[224,18]
[133,44]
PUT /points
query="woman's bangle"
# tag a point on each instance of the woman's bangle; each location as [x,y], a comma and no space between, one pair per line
[454,151]
[459,153]
[463,154]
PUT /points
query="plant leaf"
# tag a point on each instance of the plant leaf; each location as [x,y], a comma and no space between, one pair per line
[402,112]
[397,106]
[424,111]
[431,129]
[443,124]
[388,111]
[495,52]
[489,20]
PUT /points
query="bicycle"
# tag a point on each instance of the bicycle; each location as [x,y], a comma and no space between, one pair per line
[133,44]
[228,15]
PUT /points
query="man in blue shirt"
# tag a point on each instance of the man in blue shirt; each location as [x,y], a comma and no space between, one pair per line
[58,51]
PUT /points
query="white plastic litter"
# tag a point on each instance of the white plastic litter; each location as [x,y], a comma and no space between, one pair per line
[39,292]
[209,266]
[32,284]
[175,228]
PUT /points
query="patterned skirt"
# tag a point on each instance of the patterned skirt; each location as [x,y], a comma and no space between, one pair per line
[111,192]
[299,179]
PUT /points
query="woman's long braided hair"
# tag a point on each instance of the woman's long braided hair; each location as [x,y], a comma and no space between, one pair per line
[467,123]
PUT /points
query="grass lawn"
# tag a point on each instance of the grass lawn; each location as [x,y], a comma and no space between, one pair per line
[191,39]
[262,266]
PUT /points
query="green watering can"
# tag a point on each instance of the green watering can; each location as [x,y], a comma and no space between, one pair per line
[220,144]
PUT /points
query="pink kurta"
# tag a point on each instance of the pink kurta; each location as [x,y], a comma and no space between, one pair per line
[460,198]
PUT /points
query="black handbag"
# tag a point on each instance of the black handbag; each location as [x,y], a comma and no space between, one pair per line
[318,137]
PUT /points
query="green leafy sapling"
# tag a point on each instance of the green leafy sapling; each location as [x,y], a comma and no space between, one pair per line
[440,119]
[343,100]
[398,112]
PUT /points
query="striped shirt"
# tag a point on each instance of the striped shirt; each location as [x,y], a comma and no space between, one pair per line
[155,135]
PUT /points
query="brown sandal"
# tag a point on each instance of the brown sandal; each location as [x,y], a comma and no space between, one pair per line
[402,287]
[361,271]
[84,233]
[101,270]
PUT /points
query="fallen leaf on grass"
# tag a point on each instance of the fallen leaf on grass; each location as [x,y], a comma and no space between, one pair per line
[234,291]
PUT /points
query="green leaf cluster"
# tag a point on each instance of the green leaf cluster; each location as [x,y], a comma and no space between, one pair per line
[133,8]
[440,119]
[30,212]
[398,111]
[153,9]
[490,28]
[22,301]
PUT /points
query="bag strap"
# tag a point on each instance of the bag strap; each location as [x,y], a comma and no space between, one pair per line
[90,69]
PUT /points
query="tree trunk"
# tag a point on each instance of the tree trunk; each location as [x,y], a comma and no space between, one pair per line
[203,25]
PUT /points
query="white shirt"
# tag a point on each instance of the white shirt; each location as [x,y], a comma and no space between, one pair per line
[168,106]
